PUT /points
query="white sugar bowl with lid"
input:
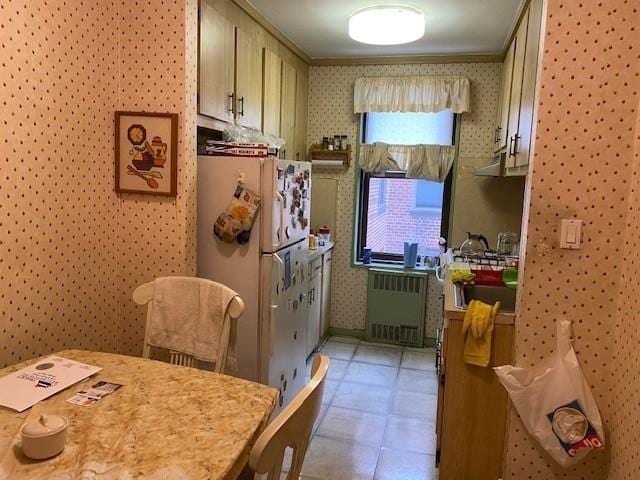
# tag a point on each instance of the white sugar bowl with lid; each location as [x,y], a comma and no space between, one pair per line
[44,437]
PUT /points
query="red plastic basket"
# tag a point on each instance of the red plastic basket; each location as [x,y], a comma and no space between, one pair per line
[488,277]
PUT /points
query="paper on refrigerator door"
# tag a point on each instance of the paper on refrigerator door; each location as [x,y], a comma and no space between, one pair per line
[26,387]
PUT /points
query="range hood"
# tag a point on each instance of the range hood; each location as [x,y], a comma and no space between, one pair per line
[495,169]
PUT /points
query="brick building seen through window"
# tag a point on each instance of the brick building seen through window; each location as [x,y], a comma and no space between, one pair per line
[395,209]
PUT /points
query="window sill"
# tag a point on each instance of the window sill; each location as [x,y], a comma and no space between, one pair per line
[392,267]
[426,211]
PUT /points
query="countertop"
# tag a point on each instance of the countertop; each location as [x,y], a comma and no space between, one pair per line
[166,421]
[321,250]
[451,312]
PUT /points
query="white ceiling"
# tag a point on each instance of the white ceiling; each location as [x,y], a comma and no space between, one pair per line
[319,27]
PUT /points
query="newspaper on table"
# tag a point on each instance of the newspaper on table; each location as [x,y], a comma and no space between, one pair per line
[28,386]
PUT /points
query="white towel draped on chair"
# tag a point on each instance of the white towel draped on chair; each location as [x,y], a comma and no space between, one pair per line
[190,315]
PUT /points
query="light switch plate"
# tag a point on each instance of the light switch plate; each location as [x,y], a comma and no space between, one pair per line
[571,234]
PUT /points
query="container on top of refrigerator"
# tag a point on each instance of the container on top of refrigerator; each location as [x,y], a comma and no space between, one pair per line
[238,133]
[236,149]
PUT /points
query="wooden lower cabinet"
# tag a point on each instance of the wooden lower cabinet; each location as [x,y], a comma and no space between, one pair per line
[472,408]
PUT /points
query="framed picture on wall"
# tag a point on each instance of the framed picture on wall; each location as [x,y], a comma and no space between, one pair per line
[146,153]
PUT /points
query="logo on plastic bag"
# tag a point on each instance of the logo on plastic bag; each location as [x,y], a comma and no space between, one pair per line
[573,429]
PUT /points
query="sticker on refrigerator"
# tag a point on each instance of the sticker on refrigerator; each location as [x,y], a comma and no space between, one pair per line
[287,271]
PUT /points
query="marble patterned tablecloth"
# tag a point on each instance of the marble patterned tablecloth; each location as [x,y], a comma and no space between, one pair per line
[166,422]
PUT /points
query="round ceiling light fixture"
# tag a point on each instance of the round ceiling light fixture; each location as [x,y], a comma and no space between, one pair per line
[387,25]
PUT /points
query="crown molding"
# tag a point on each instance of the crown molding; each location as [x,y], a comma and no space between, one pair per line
[408,59]
[250,10]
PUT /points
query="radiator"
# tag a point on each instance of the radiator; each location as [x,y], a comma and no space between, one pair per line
[396,304]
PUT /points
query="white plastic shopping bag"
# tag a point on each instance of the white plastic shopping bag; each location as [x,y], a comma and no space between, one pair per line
[555,402]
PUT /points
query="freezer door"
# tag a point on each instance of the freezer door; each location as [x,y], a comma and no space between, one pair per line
[287,187]
[285,320]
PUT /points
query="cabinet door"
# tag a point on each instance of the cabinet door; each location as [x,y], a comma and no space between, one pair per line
[326,294]
[216,64]
[313,328]
[302,102]
[440,407]
[522,147]
[271,93]
[520,42]
[504,99]
[288,111]
[248,81]
[474,416]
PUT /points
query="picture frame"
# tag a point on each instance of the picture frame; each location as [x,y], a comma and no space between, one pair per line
[146,153]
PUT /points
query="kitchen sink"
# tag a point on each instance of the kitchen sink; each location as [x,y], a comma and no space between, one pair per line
[486,293]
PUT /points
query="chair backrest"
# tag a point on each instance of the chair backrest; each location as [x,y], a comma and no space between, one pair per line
[144,294]
[292,428]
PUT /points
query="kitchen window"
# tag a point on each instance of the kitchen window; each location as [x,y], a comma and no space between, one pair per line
[394,209]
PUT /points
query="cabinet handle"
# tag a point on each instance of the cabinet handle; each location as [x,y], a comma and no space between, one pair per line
[496,137]
[283,153]
[241,100]
[297,156]
[511,141]
[231,95]
[516,137]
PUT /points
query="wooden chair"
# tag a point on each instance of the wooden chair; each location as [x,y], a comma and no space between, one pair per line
[144,294]
[292,428]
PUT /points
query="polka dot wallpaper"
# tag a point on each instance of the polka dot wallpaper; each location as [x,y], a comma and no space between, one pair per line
[625,462]
[71,250]
[583,169]
[331,112]
[157,237]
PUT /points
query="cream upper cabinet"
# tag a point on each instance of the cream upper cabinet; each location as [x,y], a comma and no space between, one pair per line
[271,89]
[248,81]
[215,83]
[288,111]
[517,98]
[522,147]
[247,76]
[520,44]
[302,108]
[504,100]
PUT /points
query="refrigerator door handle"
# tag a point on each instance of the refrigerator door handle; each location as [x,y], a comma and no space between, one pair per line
[278,196]
[280,263]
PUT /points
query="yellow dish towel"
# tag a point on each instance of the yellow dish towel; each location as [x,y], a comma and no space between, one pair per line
[478,328]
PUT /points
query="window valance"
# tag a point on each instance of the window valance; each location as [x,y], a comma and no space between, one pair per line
[428,94]
[430,162]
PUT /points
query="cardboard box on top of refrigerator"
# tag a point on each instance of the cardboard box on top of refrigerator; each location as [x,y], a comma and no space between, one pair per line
[234,149]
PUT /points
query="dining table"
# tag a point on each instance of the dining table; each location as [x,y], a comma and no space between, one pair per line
[165,422]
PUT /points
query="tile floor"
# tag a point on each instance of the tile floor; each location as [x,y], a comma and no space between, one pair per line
[378,414]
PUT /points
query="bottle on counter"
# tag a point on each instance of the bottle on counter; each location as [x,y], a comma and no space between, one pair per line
[324,235]
[337,142]
[331,145]
[343,142]
[325,143]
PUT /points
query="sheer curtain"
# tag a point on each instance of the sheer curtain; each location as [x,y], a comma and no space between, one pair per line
[430,162]
[424,94]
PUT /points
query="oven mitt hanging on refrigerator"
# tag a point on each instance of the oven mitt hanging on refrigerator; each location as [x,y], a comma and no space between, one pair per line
[235,223]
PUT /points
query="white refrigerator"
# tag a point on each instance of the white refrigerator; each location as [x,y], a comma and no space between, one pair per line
[269,272]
